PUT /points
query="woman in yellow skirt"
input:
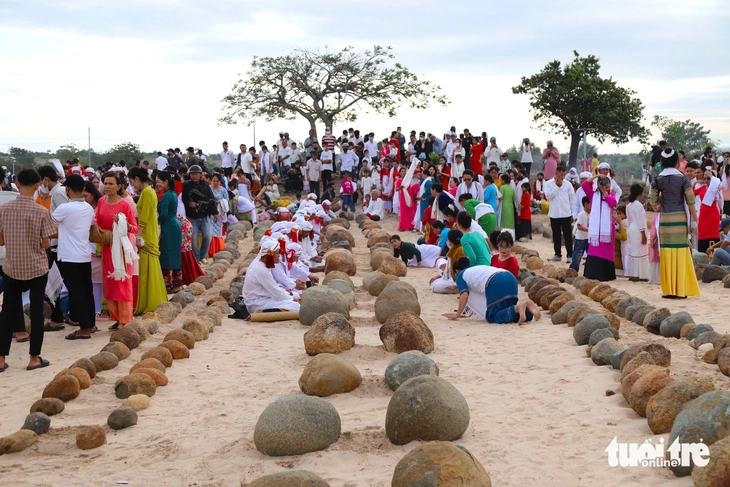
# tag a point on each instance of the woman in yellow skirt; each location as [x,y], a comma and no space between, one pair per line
[673,191]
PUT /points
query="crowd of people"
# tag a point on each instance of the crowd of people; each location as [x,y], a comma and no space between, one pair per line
[118,241]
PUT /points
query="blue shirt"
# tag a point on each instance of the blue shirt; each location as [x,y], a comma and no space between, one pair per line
[490,196]
[438,146]
[443,238]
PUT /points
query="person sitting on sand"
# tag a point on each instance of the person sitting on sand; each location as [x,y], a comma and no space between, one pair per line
[504,259]
[260,290]
[444,282]
[415,255]
[490,294]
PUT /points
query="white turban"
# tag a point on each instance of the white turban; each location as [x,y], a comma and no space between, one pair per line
[585,175]
[268,243]
[307,226]
[604,165]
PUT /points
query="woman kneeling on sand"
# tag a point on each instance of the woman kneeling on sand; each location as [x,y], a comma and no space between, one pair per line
[490,294]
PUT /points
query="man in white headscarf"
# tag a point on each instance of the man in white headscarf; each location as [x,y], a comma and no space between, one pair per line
[260,290]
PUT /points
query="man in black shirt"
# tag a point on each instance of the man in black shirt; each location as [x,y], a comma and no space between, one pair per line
[173,159]
[199,205]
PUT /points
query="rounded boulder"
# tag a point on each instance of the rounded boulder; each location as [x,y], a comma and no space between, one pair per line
[294,425]
[90,437]
[177,349]
[589,324]
[65,388]
[39,423]
[49,406]
[320,300]
[138,402]
[120,350]
[341,260]
[393,266]
[394,300]
[294,478]
[197,327]
[426,408]
[664,406]
[404,332]
[182,336]
[127,336]
[327,374]
[132,384]
[160,353]
[330,333]
[408,365]
[122,417]
[440,463]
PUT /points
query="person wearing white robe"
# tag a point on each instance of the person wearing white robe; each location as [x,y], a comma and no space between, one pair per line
[375,206]
[260,290]
[443,283]
[309,248]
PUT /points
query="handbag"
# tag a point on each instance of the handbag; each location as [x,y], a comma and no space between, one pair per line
[240,312]
[100,236]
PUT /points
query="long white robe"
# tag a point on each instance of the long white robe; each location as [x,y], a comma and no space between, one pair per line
[260,290]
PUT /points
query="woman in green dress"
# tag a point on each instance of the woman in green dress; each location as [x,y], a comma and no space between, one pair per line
[507,215]
[170,232]
[151,290]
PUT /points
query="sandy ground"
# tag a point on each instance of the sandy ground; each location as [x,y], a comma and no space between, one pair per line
[539,410]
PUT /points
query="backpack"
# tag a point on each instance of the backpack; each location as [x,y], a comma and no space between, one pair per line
[240,312]
[347,187]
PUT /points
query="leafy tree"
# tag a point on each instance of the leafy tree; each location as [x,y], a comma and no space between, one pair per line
[127,152]
[69,152]
[568,98]
[687,135]
[24,157]
[327,86]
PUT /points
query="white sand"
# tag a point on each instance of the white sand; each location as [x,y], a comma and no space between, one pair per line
[539,412]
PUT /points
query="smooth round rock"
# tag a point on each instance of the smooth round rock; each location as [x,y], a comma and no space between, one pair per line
[160,353]
[645,387]
[664,406]
[339,275]
[440,464]
[705,419]
[197,327]
[698,330]
[330,333]
[49,406]
[393,266]
[589,324]
[342,261]
[426,408]
[122,417]
[602,352]
[127,336]
[671,327]
[602,333]
[65,388]
[37,422]
[154,374]
[717,471]
[644,358]
[408,365]
[404,332]
[319,300]
[120,350]
[707,337]
[653,320]
[149,363]
[87,365]
[561,317]
[104,361]
[177,349]
[138,402]
[18,441]
[394,300]
[166,312]
[659,353]
[327,374]
[132,384]
[141,330]
[294,478]
[624,304]
[81,375]
[182,336]
[91,437]
[294,425]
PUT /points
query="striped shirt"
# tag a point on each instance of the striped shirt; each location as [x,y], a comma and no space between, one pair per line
[23,224]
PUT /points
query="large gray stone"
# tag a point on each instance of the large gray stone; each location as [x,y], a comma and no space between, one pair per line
[294,425]
[404,332]
[426,408]
[330,333]
[395,299]
[582,331]
[702,420]
[653,320]
[294,478]
[714,273]
[717,471]
[602,333]
[700,257]
[319,300]
[38,422]
[642,313]
[602,352]
[407,365]
[672,326]
[345,289]
[122,417]
[707,337]
[616,359]
[626,302]
[698,330]
[561,317]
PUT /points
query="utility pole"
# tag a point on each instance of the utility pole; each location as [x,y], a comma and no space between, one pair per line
[585,138]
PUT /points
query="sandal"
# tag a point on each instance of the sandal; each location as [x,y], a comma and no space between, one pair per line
[5,367]
[44,363]
[114,327]
[74,336]
[49,327]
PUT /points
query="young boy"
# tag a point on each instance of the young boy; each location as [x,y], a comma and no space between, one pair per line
[538,193]
[347,189]
[580,244]
[619,215]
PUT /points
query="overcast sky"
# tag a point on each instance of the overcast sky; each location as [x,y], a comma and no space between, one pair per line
[154,72]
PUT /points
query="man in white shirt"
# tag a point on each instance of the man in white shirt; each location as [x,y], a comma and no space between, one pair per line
[327,159]
[284,155]
[348,160]
[493,153]
[227,159]
[244,159]
[314,173]
[561,196]
[450,146]
[201,157]
[74,220]
[295,154]
[308,143]
[355,138]
[371,145]
[161,161]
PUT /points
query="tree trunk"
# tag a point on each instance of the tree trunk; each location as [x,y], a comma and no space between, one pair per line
[327,121]
[575,139]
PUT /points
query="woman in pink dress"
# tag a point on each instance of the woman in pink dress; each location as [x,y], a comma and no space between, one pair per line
[119,294]
[551,156]
[407,212]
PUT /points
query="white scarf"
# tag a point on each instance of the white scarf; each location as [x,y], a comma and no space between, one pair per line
[600,227]
[406,183]
[435,210]
[712,191]
[123,252]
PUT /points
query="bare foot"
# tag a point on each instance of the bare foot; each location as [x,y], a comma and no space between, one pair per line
[534,309]
[520,308]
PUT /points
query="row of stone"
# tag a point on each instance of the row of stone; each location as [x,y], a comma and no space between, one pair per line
[685,408]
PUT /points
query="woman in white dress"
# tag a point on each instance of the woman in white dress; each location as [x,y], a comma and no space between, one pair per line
[260,290]
[636,265]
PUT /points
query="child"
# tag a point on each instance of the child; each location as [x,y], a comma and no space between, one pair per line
[619,216]
[580,244]
[347,189]
[367,161]
[637,256]
[504,258]
[366,183]
[526,213]
[654,247]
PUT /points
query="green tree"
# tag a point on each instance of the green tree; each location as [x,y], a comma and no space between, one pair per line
[688,135]
[69,152]
[127,152]
[327,86]
[24,157]
[571,97]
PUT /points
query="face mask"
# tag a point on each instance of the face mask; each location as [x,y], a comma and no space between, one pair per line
[327,132]
[43,189]
[371,138]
